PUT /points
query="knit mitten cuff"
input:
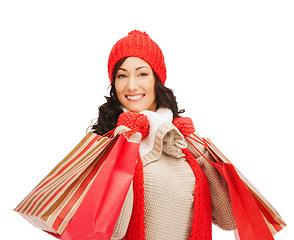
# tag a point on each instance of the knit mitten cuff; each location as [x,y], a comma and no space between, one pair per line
[185,125]
[134,120]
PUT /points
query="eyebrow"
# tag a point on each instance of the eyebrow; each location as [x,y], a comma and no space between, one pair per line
[138,68]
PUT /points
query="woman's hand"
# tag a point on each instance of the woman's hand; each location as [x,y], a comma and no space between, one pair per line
[134,120]
[185,125]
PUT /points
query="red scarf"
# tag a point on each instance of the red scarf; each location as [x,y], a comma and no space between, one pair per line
[202,220]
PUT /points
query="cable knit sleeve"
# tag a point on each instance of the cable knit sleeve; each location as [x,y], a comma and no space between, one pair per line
[221,208]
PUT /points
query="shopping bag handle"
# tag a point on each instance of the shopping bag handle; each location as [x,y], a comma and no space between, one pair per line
[205,143]
[132,135]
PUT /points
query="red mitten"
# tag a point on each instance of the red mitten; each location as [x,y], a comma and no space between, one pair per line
[134,120]
[185,125]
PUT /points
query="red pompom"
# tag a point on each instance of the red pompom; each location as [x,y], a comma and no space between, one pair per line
[185,125]
[134,120]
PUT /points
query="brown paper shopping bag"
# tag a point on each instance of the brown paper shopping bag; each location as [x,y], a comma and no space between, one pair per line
[270,215]
[53,202]
[255,216]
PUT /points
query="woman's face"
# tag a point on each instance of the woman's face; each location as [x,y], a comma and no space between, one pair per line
[134,85]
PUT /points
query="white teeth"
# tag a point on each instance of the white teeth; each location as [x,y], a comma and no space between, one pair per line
[136,97]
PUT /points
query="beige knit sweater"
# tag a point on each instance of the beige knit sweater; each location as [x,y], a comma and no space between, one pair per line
[169,188]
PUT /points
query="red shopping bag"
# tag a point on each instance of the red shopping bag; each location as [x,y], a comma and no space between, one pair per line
[255,217]
[107,163]
[270,215]
[249,219]
[97,215]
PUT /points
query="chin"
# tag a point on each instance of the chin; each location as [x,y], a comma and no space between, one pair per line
[138,107]
[134,109]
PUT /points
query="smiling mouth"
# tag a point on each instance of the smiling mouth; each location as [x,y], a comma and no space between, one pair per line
[135,98]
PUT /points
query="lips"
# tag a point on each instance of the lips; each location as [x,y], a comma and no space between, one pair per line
[135,97]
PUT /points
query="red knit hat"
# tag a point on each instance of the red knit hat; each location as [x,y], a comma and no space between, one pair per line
[138,44]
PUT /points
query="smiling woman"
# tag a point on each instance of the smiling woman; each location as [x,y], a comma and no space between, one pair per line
[170,196]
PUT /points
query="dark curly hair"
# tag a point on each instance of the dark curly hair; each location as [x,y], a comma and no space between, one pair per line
[110,111]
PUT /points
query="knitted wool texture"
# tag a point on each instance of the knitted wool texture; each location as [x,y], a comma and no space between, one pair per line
[138,44]
[134,120]
[185,125]
[202,220]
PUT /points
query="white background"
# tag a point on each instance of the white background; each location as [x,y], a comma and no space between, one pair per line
[229,62]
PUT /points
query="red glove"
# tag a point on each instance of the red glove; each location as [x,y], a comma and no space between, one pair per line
[134,120]
[185,125]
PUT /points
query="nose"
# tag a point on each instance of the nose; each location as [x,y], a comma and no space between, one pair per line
[132,84]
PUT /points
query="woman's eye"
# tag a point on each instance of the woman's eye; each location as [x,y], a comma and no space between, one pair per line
[121,76]
[143,74]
